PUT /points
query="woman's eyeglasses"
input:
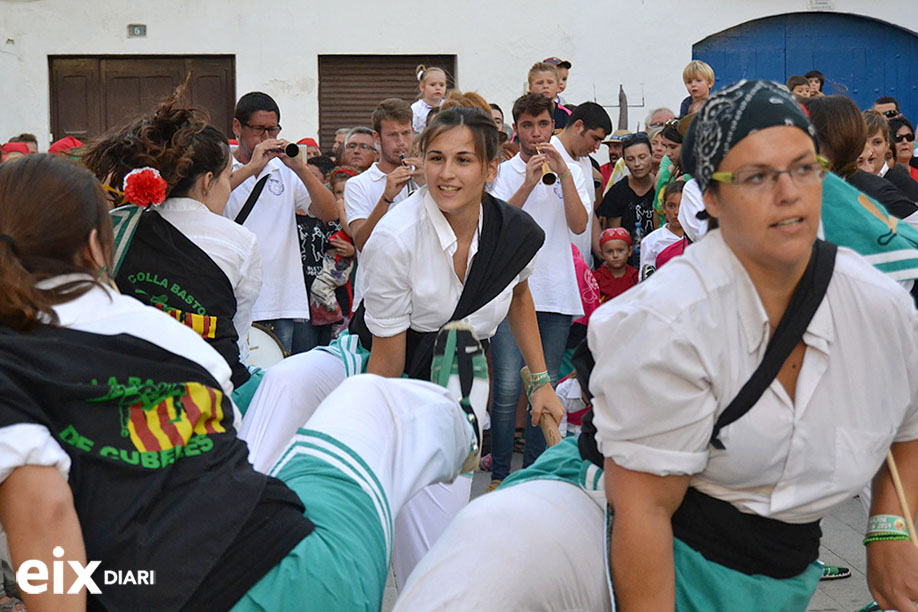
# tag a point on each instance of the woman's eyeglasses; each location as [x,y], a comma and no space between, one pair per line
[900,137]
[766,179]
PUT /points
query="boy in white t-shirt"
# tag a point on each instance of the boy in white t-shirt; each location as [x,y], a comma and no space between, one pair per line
[559,208]
[654,243]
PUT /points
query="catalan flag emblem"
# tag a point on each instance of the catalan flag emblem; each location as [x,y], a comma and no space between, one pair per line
[205,325]
[173,421]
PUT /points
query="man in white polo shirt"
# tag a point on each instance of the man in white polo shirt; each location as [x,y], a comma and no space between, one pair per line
[560,208]
[586,128]
[369,195]
[288,185]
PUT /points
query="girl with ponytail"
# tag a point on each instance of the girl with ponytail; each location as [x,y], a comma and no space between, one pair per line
[174,249]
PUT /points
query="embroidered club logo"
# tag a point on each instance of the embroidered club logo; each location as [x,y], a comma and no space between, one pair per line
[275,186]
[162,416]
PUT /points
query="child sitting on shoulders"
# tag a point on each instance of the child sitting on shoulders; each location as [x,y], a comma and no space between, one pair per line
[615,276]
[699,79]
[654,242]
[432,88]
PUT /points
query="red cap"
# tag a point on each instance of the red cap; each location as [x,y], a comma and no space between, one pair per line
[15,147]
[62,146]
[614,233]
[309,142]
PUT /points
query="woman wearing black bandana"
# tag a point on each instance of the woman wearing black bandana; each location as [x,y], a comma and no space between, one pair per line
[718,478]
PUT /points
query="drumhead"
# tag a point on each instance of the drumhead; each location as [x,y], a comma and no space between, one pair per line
[264,348]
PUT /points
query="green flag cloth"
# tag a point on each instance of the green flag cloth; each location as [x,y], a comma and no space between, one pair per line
[124,223]
[854,220]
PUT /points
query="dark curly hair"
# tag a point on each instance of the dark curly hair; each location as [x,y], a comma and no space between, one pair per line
[175,139]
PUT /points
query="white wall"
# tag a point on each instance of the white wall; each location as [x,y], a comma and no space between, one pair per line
[642,44]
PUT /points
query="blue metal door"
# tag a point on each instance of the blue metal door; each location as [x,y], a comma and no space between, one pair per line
[861,57]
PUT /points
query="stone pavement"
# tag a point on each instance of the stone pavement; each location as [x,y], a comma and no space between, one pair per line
[842,532]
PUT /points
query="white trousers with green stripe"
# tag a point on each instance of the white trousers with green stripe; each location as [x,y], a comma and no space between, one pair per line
[409,433]
[372,445]
[290,393]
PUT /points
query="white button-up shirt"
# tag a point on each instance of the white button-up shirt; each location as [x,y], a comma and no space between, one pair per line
[231,246]
[553,283]
[673,352]
[361,194]
[411,280]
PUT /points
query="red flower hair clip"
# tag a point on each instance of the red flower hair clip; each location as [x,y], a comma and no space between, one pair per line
[144,187]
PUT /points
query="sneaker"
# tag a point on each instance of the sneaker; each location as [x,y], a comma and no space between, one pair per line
[834,572]
[494,484]
[459,364]
[871,607]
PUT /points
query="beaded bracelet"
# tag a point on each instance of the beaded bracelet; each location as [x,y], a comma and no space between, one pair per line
[886,524]
[884,538]
[536,381]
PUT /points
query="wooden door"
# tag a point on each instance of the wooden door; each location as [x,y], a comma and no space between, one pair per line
[90,95]
[76,109]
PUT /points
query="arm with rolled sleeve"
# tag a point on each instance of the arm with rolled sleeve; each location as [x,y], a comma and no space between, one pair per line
[387,301]
[654,409]
[654,412]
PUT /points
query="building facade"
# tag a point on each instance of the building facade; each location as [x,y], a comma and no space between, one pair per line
[283,48]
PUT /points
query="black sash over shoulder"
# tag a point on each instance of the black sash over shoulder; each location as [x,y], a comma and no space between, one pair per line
[510,238]
[163,268]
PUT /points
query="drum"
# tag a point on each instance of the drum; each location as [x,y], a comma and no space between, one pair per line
[264,348]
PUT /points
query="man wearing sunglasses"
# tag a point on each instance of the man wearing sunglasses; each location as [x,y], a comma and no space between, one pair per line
[284,184]
[887,106]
